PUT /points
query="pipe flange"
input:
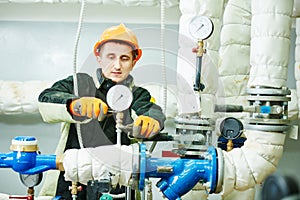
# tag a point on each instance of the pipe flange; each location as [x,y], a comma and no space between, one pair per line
[266,121]
[269,98]
[220,161]
[267,128]
[142,173]
[268,91]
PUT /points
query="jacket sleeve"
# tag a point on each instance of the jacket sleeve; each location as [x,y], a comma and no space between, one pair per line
[143,106]
[52,102]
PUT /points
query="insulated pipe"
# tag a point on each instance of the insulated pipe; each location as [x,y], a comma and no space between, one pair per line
[270,43]
[249,165]
[297,59]
[234,54]
[258,158]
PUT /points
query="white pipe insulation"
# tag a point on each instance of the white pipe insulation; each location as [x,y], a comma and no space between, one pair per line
[17,97]
[234,53]
[270,37]
[168,3]
[270,43]
[297,59]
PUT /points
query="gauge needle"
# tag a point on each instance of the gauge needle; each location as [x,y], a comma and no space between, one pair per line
[200,27]
[118,99]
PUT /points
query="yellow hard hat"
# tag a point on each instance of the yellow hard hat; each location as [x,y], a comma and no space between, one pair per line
[119,33]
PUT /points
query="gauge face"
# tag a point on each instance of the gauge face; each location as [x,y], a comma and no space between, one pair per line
[231,128]
[31,180]
[119,98]
[201,27]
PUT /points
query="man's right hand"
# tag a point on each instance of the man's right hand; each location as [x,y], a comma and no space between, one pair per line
[90,107]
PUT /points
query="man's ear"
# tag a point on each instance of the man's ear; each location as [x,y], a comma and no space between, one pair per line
[98,58]
[133,63]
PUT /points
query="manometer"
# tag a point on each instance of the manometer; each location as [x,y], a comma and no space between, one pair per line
[119,98]
[31,180]
[231,128]
[201,27]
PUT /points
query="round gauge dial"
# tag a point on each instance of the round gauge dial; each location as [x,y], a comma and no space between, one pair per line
[201,27]
[231,128]
[31,180]
[119,98]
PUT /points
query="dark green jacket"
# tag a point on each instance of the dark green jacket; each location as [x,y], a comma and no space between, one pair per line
[53,106]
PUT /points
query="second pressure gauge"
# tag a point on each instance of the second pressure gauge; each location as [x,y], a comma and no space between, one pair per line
[119,98]
[201,27]
[31,180]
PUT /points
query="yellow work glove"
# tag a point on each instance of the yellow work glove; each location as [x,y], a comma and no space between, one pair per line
[145,127]
[90,107]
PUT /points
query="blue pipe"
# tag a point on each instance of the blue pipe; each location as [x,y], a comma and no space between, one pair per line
[179,176]
[27,162]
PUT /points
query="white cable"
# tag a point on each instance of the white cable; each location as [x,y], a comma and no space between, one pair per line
[75,86]
[163,55]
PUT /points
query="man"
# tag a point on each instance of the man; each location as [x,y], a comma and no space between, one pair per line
[116,52]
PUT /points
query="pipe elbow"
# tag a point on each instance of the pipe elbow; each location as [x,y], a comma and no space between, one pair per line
[251,164]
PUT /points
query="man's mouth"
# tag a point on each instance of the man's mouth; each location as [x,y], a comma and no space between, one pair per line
[116,73]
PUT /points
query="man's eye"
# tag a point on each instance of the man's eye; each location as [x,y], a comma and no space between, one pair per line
[111,57]
[125,58]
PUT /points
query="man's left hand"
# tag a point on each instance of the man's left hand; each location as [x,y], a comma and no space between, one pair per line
[145,127]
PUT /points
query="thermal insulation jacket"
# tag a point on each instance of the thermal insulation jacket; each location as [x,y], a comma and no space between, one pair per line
[297,58]
[112,162]
[249,165]
[234,53]
[17,97]
[270,43]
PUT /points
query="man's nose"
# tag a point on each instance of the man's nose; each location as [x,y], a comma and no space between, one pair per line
[117,64]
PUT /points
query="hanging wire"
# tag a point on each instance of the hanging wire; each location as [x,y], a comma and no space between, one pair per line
[75,81]
[163,63]
[163,53]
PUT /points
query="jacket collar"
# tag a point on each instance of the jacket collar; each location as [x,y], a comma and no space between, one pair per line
[99,79]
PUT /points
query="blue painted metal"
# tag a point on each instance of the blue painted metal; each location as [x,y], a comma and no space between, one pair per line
[265,109]
[27,162]
[142,166]
[179,176]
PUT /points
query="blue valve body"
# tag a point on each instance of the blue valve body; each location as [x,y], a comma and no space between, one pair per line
[179,176]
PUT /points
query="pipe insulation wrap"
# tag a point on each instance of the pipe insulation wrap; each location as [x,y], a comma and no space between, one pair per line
[235,43]
[296,9]
[297,59]
[17,97]
[105,162]
[251,164]
[169,3]
[270,29]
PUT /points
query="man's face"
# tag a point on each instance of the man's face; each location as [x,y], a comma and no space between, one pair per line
[116,61]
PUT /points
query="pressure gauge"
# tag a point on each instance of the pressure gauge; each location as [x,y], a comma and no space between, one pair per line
[231,128]
[119,98]
[201,27]
[31,180]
